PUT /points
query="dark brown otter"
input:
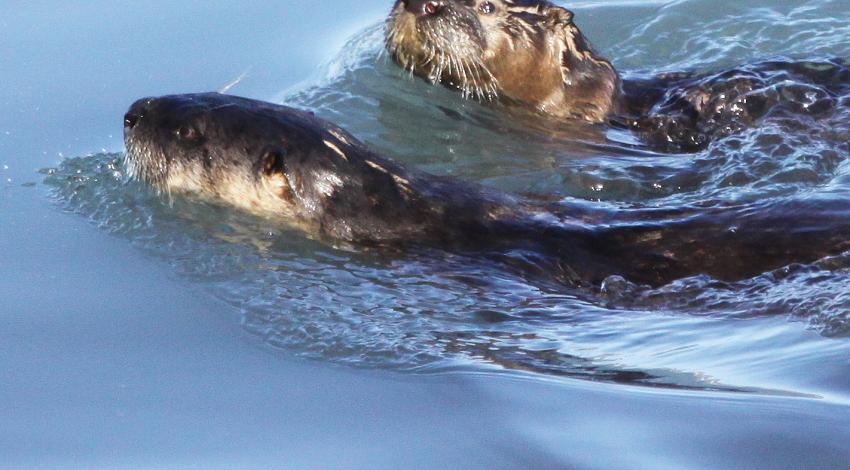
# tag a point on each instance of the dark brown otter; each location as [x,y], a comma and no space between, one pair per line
[530,52]
[290,166]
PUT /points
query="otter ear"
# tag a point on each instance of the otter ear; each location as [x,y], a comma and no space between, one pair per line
[273,161]
[578,61]
[559,16]
[273,167]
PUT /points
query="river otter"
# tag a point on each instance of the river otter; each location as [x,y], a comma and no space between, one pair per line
[288,165]
[525,51]
[530,52]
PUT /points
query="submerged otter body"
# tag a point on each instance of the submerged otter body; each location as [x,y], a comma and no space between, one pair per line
[290,166]
[531,53]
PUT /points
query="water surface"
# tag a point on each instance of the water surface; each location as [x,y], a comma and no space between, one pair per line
[567,374]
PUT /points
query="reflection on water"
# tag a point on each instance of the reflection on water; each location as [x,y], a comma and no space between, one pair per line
[432,311]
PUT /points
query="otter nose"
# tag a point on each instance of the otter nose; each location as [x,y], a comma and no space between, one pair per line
[135,113]
[131,119]
[424,7]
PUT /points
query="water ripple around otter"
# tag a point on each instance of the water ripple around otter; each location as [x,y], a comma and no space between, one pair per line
[434,311]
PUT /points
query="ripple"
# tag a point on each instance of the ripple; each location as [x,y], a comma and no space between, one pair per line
[433,311]
[425,309]
[732,33]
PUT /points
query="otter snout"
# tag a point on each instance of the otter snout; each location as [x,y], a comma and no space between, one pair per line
[424,7]
[142,159]
[131,119]
[136,112]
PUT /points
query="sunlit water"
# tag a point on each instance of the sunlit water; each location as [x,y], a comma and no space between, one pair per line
[784,332]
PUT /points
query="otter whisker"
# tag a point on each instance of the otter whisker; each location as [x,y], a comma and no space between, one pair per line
[473,67]
[235,81]
[382,54]
[441,66]
[436,68]
[459,67]
[472,85]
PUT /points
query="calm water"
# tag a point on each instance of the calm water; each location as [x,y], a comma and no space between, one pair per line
[130,320]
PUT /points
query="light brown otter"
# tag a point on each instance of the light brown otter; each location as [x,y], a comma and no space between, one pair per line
[531,53]
[518,50]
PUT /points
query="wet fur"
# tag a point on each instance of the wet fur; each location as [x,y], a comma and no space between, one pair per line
[532,54]
[287,165]
[529,52]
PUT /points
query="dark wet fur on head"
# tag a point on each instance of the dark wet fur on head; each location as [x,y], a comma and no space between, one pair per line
[189,132]
[285,163]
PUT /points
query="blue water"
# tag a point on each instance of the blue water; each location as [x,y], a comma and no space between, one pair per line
[143,333]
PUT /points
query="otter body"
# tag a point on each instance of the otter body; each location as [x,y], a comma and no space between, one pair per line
[531,53]
[287,165]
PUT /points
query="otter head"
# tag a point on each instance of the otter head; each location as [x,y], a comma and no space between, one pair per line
[271,160]
[525,51]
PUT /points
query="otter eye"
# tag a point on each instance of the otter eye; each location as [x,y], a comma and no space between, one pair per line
[487,8]
[188,133]
[432,8]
